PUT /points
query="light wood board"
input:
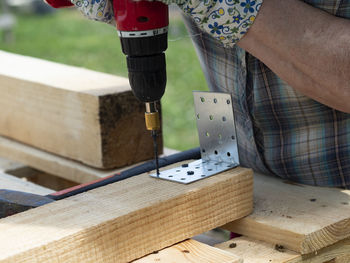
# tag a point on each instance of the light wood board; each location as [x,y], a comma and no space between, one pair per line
[87,116]
[10,182]
[54,164]
[6,165]
[49,162]
[13,183]
[125,220]
[254,251]
[190,251]
[299,217]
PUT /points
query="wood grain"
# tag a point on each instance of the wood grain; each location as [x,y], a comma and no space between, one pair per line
[50,163]
[76,113]
[125,220]
[13,183]
[54,164]
[254,251]
[299,217]
[190,251]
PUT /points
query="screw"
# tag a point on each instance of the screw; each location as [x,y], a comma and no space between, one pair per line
[232,245]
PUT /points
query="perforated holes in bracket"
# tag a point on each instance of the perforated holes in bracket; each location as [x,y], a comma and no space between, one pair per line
[217,137]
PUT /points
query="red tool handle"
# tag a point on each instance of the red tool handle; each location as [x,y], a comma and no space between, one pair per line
[59,3]
[132,15]
[140,15]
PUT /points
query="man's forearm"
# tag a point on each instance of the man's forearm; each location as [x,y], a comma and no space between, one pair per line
[306,47]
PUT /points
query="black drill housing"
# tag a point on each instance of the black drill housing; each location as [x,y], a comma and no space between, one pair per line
[146,65]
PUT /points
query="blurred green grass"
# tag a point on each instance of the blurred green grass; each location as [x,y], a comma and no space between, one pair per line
[68,38]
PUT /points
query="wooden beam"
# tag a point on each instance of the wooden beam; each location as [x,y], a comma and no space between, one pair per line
[299,217]
[41,178]
[13,183]
[10,182]
[50,163]
[125,220]
[80,114]
[254,251]
[6,165]
[190,251]
[54,164]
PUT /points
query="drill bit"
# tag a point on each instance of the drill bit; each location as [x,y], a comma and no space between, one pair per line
[153,124]
[155,147]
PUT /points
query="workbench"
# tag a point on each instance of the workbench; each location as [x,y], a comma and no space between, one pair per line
[142,219]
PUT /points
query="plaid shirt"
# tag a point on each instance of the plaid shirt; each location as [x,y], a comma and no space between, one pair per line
[279,130]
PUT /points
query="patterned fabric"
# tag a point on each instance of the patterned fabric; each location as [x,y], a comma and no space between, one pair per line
[98,10]
[226,20]
[279,130]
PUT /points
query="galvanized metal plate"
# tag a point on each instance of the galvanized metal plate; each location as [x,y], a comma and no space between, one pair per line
[217,137]
[216,127]
[193,171]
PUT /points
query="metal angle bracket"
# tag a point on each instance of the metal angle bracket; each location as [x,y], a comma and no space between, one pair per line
[217,138]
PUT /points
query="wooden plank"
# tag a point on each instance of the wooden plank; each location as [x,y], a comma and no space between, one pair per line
[41,178]
[341,259]
[299,217]
[254,251]
[190,251]
[25,173]
[6,165]
[49,162]
[126,220]
[13,183]
[54,164]
[76,113]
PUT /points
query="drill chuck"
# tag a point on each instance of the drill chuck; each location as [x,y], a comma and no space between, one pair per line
[152,121]
[147,76]
[152,117]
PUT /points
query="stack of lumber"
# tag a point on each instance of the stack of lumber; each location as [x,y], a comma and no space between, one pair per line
[126,220]
[291,223]
[299,217]
[132,218]
[78,114]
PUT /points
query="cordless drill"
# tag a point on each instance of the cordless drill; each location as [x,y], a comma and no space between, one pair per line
[143,30]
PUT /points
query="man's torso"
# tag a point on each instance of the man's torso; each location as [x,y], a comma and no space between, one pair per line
[279,130]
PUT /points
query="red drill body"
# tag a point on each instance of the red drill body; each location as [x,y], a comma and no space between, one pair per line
[59,3]
[140,15]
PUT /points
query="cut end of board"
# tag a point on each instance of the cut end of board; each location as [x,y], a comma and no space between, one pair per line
[125,140]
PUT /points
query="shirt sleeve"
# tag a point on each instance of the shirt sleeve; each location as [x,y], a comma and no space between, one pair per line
[226,20]
[98,10]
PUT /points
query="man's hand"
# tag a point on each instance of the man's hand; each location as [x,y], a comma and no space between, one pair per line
[306,47]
